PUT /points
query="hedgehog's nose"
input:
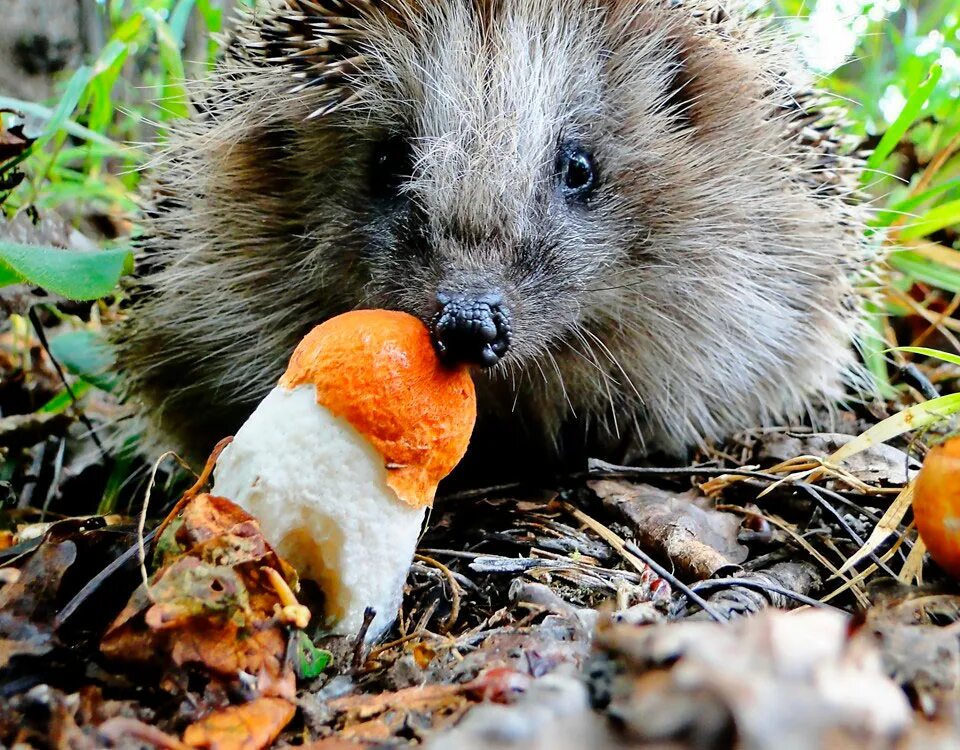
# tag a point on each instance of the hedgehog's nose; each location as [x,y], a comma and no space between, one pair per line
[471,329]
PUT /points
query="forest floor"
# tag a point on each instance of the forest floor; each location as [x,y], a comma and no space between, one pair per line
[768,594]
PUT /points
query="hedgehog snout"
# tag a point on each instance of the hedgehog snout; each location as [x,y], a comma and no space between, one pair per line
[471,328]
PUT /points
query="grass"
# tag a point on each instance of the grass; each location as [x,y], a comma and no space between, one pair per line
[83,153]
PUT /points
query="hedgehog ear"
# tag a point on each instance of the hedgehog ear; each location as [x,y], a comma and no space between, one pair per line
[322,41]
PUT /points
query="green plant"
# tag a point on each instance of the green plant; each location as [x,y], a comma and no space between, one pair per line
[85,153]
[902,87]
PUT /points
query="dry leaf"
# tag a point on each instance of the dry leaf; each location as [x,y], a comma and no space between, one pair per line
[252,726]
[698,541]
[26,605]
[877,464]
[210,603]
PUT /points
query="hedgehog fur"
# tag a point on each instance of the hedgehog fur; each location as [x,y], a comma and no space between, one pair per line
[704,287]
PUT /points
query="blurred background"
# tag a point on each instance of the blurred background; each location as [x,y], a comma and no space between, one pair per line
[86,85]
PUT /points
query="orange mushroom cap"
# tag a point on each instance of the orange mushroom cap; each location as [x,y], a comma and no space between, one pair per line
[378,370]
[936,505]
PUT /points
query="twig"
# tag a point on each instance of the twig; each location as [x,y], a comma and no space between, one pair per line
[815,554]
[481,492]
[848,502]
[603,470]
[455,553]
[871,569]
[815,494]
[42,336]
[33,477]
[641,560]
[676,582]
[202,479]
[393,644]
[747,583]
[937,325]
[368,615]
[454,591]
[55,480]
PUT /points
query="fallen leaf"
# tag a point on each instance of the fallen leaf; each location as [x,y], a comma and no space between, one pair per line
[738,599]
[13,142]
[210,603]
[419,710]
[912,418]
[877,464]
[423,654]
[778,679]
[251,726]
[699,541]
[27,604]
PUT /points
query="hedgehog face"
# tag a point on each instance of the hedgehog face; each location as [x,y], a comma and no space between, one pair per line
[485,176]
[633,209]
[598,185]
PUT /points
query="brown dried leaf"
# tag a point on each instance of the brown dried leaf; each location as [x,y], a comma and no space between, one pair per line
[122,728]
[699,541]
[878,464]
[210,604]
[27,604]
[916,630]
[738,600]
[13,142]
[252,726]
[423,654]
[422,709]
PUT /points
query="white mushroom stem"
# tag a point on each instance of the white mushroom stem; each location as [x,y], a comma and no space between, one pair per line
[319,489]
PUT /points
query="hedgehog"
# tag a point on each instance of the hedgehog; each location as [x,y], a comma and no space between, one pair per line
[634,218]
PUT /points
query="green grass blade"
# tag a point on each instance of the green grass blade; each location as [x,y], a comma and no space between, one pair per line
[62,401]
[914,418]
[73,128]
[934,353]
[179,19]
[939,217]
[905,119]
[872,347]
[923,269]
[67,104]
[908,205]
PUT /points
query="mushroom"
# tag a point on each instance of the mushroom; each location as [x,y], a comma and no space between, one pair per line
[341,460]
[936,505]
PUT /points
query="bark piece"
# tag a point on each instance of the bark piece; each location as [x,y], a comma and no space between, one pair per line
[680,528]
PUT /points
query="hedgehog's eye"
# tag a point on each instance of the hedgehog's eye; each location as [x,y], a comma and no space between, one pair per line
[576,171]
[392,165]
